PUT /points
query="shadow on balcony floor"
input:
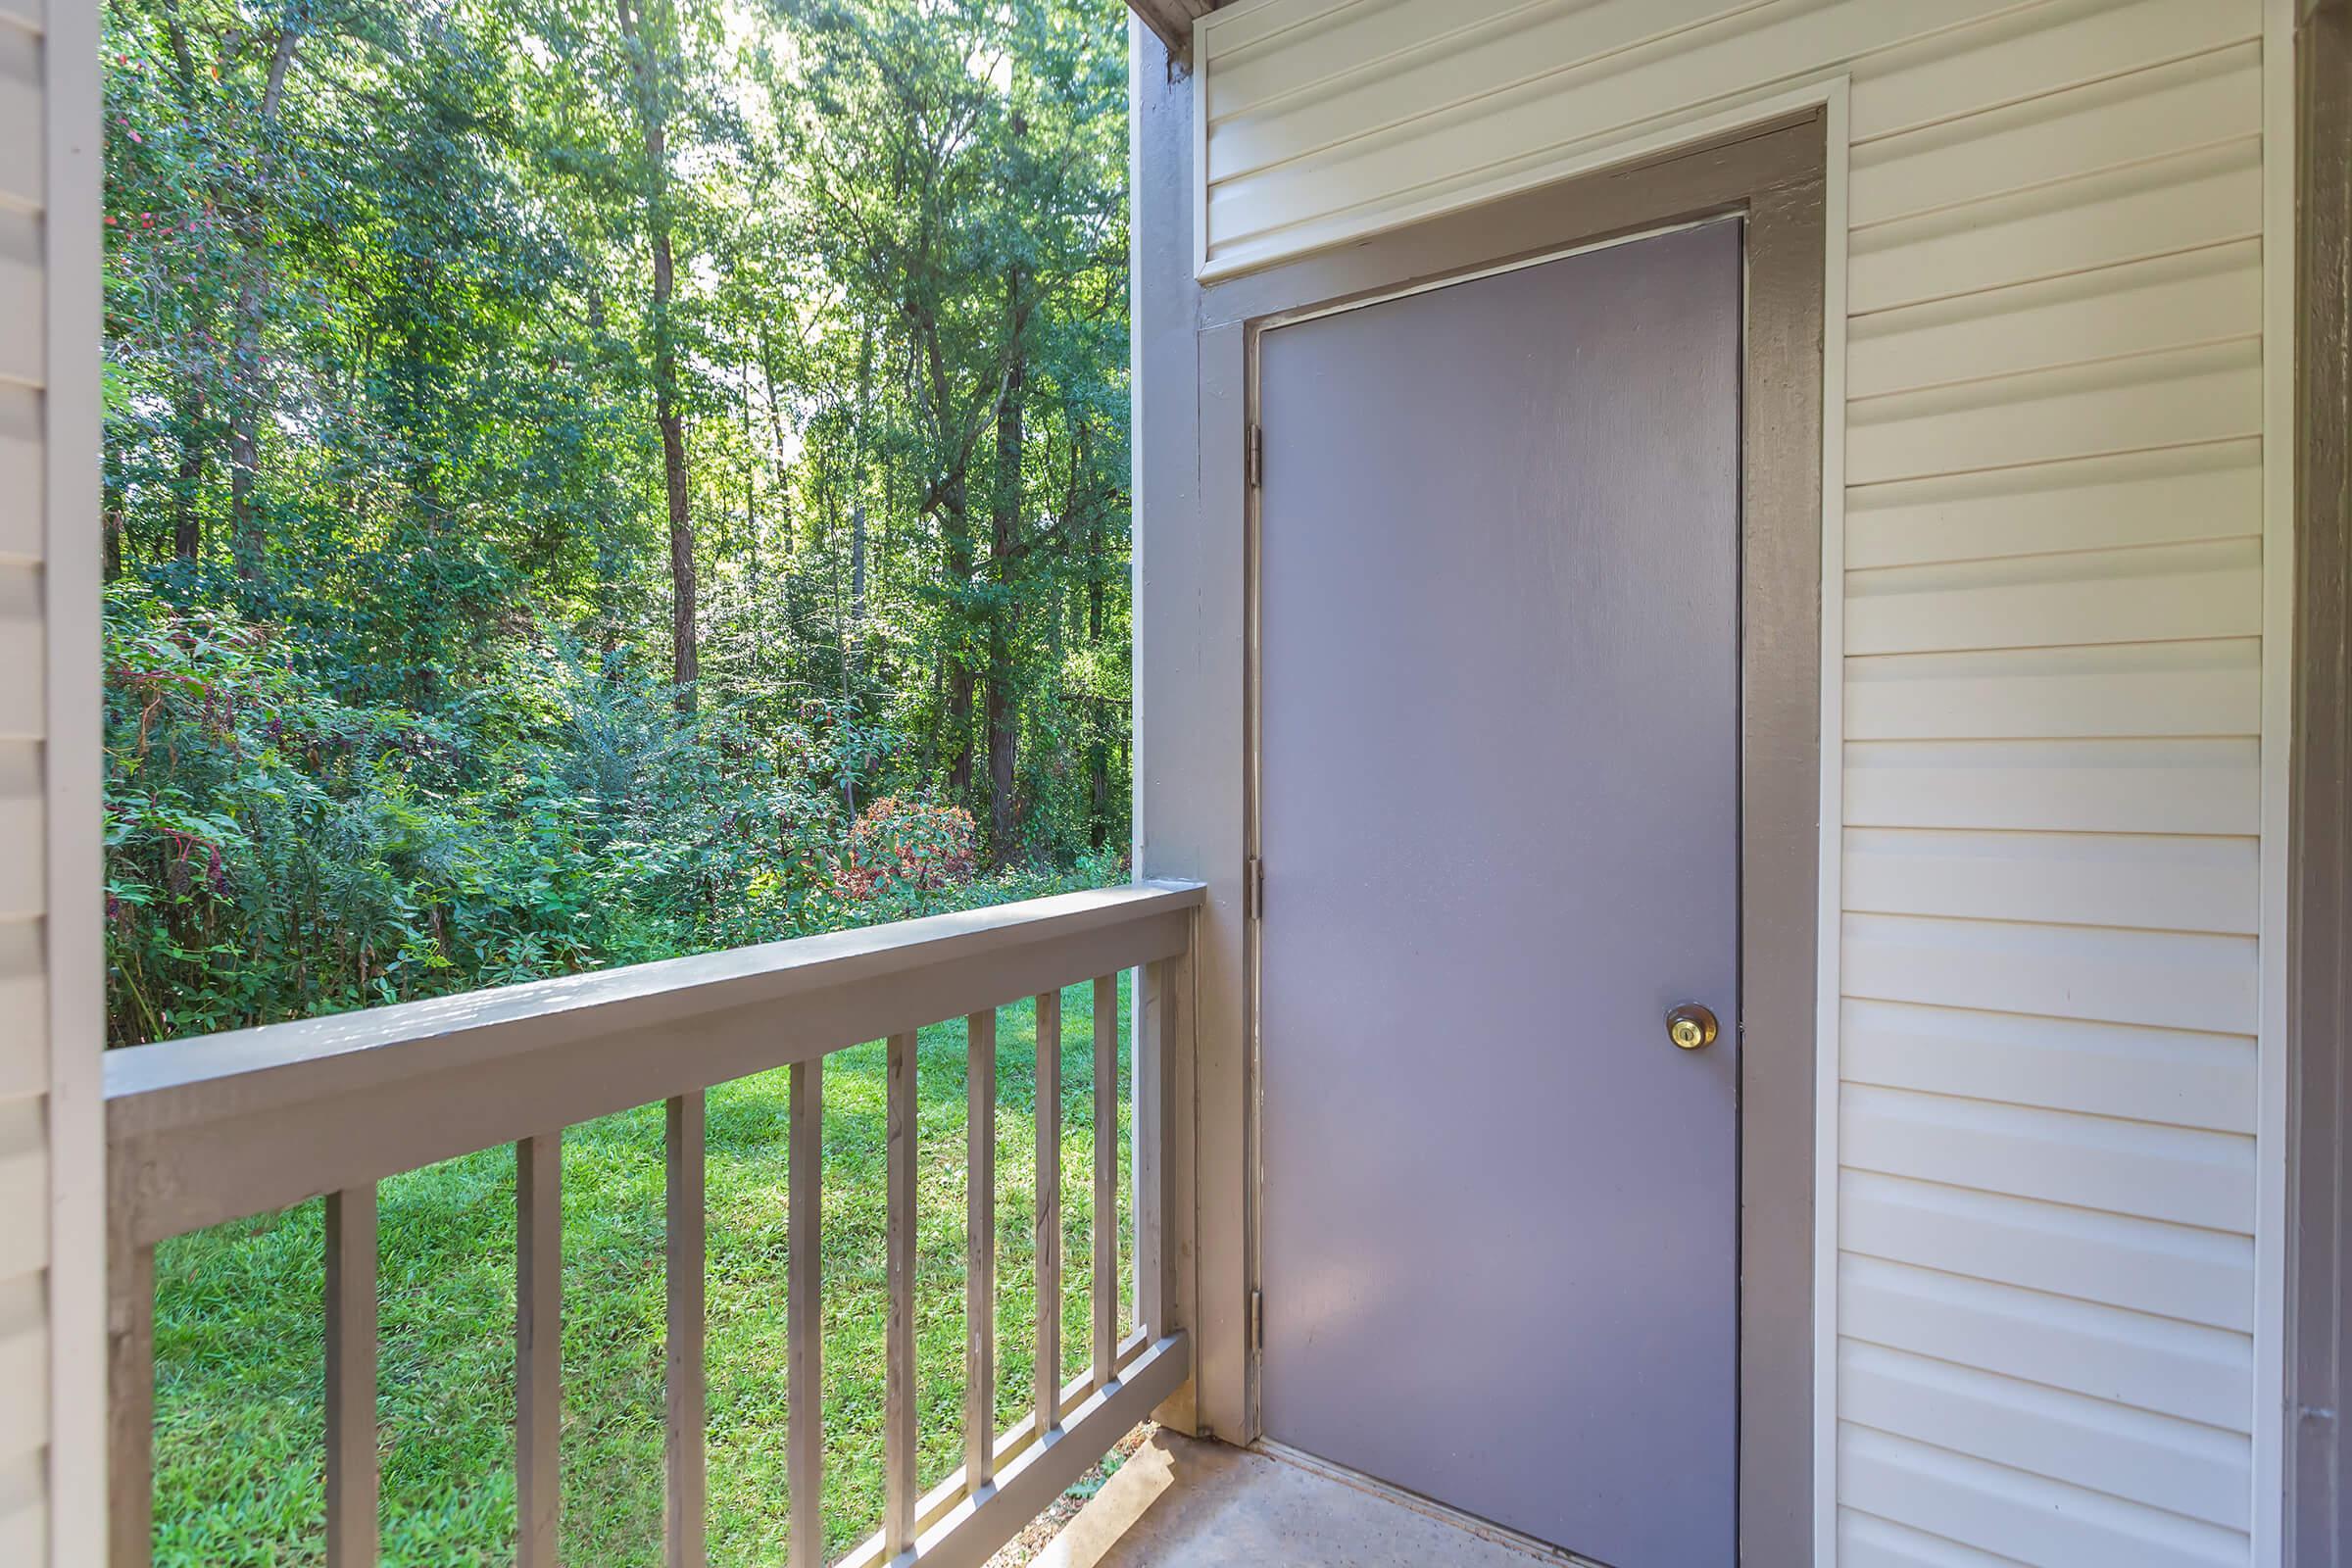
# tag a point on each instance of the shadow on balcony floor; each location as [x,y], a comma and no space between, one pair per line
[1184,1503]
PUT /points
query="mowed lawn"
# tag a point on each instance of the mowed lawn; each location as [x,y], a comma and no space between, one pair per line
[239,1337]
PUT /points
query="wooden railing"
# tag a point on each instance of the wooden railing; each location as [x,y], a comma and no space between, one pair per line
[206,1130]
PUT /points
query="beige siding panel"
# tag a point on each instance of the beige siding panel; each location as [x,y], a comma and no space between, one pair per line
[22,487]
[24,1179]
[22,867]
[2168,302]
[21,297]
[2207,197]
[2109,879]
[2171,979]
[24,1365]
[23,993]
[2197,1276]
[1242,25]
[2124,1168]
[2015,1513]
[24,1512]
[2129,1359]
[2108,124]
[1280,90]
[1602,52]
[1470,133]
[2142,497]
[1353,37]
[2037,50]
[2204,787]
[2167,593]
[22,141]
[2176,398]
[2205,687]
[2156,1460]
[1381,110]
[21,650]
[1867,1541]
[2171,1077]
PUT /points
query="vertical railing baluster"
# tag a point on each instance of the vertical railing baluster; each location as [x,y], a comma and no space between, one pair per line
[980,1250]
[1164,1152]
[131,1399]
[804,1317]
[350,1359]
[1147,1151]
[1166,1261]
[1049,1212]
[684,1425]
[898,1400]
[538,1347]
[1106,1179]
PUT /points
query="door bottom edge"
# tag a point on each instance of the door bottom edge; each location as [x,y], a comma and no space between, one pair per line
[1428,1507]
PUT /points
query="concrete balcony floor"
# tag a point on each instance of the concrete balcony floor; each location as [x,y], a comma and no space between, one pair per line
[1185,1504]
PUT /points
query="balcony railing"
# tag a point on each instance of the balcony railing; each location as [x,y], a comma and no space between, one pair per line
[214,1129]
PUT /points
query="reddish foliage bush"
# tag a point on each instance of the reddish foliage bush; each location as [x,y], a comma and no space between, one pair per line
[907,844]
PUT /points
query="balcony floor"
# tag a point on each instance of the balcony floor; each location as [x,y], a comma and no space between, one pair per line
[1184,1503]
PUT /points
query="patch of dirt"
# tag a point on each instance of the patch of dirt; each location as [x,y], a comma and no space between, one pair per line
[1023,1548]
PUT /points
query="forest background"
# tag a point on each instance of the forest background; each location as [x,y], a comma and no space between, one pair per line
[590,481]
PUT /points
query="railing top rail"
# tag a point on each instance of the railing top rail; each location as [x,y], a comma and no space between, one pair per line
[221,1125]
[168,1082]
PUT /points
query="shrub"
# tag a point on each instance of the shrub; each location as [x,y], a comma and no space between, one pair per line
[275,850]
[899,844]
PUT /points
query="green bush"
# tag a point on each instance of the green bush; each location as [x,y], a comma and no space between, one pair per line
[275,850]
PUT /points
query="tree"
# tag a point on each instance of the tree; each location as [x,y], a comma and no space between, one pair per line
[977,209]
[569,463]
[650,48]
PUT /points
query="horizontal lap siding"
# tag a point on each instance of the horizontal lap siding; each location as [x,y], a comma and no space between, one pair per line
[2053,617]
[24,1050]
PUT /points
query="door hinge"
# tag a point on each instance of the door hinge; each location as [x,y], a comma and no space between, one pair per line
[1257,1320]
[1253,887]
[1257,456]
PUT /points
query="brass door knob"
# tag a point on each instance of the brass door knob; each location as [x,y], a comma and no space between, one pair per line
[1690,1026]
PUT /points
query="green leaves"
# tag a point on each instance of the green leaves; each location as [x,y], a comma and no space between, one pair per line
[389,638]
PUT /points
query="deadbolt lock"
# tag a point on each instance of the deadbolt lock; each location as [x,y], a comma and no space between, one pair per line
[1690,1026]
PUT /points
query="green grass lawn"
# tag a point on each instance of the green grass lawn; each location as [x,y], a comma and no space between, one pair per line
[239,1337]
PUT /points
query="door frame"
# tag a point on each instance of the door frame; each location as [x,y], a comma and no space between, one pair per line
[1774,177]
[2317,1234]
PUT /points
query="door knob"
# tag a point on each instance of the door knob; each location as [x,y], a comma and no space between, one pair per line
[1690,1026]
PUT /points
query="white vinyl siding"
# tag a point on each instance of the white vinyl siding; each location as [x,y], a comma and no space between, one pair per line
[2053,616]
[24,1001]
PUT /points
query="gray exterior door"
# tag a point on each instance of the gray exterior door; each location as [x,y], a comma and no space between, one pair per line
[1499,808]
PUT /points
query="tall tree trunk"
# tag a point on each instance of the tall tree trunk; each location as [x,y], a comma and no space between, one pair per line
[890,510]
[949,497]
[113,525]
[751,480]
[187,524]
[685,656]
[188,411]
[608,563]
[775,446]
[955,526]
[1099,750]
[253,305]
[856,654]
[1005,513]
[685,663]
[841,622]
[1004,722]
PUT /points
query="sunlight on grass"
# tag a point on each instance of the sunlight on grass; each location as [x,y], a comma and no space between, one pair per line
[239,1338]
